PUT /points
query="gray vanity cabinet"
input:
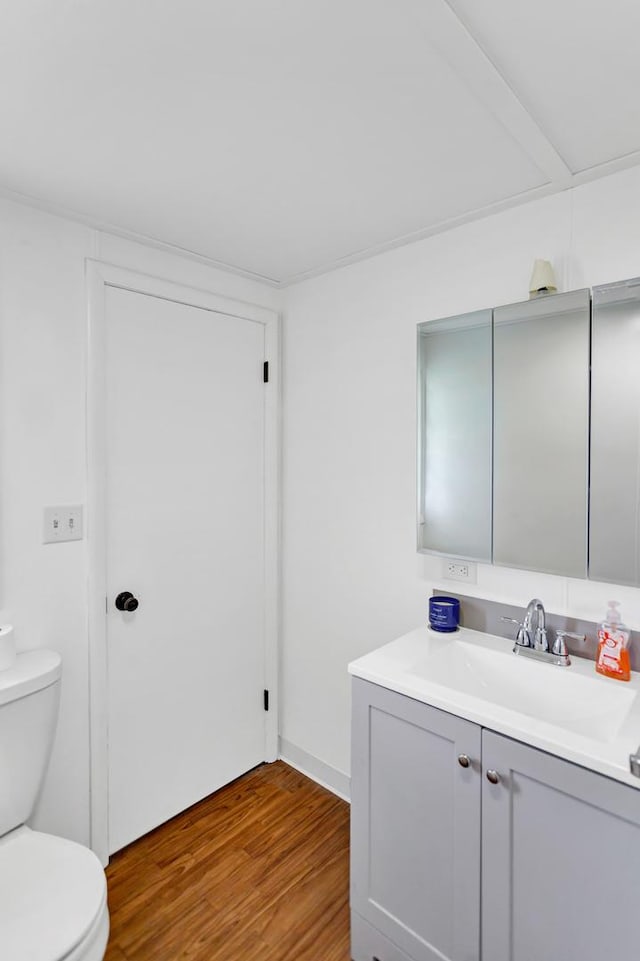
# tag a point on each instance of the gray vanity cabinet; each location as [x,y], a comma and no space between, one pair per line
[415,830]
[560,859]
[551,851]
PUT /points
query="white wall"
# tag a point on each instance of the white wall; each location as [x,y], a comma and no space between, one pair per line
[43,588]
[352,578]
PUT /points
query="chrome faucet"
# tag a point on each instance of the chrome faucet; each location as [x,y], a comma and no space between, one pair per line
[535,608]
[532,641]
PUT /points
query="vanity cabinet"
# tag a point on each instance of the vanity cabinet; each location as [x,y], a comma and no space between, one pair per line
[543,865]
[415,829]
[560,859]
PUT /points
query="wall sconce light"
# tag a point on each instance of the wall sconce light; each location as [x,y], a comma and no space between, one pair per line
[543,279]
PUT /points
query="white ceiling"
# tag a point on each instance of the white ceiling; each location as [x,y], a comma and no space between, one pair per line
[282,138]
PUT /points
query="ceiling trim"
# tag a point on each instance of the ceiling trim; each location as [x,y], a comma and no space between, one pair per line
[607,167]
[67,213]
[365,253]
[440,227]
[449,35]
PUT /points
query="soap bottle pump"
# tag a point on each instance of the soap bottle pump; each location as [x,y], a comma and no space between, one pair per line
[613,646]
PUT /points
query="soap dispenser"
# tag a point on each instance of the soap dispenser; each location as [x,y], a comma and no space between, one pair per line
[613,646]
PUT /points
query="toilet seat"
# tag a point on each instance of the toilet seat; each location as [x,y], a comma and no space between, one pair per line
[53,899]
[94,944]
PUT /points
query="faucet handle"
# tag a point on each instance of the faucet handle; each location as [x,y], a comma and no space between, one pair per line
[559,646]
[523,637]
[540,641]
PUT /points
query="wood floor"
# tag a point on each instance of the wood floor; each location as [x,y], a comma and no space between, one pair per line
[259,870]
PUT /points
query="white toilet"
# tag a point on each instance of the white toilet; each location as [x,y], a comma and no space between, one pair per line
[53,892]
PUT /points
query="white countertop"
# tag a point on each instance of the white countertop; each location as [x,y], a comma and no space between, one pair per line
[571,712]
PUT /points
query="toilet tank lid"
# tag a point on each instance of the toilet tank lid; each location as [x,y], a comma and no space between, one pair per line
[31,671]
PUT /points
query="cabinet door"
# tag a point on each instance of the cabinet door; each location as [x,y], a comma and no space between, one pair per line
[560,859]
[614,514]
[415,826]
[541,434]
[455,371]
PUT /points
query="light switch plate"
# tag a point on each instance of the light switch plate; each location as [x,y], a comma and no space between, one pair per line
[62,524]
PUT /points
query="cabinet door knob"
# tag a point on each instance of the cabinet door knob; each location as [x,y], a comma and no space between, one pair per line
[493,777]
[463,760]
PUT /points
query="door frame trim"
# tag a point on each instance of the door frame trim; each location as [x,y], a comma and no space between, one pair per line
[100,275]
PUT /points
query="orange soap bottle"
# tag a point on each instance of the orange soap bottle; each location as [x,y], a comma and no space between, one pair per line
[613,646]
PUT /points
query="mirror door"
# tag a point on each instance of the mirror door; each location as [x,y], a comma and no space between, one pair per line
[454,436]
[614,549]
[541,434]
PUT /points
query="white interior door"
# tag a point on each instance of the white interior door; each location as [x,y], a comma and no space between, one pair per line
[185,535]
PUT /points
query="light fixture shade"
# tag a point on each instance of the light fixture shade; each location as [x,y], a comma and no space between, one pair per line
[543,279]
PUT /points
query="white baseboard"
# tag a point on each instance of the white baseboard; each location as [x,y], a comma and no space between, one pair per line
[319,771]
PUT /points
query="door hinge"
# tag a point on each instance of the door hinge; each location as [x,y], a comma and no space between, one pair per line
[265,695]
[265,372]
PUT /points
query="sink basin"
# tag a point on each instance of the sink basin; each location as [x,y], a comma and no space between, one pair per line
[555,695]
[570,712]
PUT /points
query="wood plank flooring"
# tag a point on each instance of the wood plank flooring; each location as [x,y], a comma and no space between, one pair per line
[259,870]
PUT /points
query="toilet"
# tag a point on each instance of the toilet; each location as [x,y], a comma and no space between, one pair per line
[53,892]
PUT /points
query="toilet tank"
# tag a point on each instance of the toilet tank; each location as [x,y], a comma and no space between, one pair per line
[29,695]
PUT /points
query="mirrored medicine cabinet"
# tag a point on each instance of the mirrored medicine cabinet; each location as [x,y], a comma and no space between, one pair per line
[529,434]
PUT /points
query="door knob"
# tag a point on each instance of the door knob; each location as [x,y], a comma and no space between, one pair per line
[463,760]
[493,777]
[126,601]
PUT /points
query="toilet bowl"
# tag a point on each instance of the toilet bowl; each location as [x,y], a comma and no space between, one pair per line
[53,892]
[53,899]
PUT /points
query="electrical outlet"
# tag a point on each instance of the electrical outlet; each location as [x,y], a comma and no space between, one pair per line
[454,570]
[62,524]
